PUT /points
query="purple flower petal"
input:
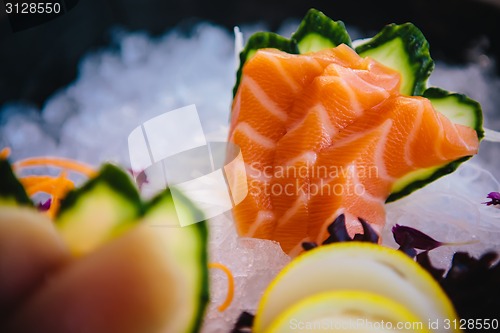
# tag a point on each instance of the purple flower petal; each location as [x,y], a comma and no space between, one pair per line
[140,177]
[494,195]
[495,199]
[410,238]
[44,206]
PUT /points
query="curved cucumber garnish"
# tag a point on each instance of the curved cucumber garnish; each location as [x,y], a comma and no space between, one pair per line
[12,192]
[101,210]
[186,250]
[405,49]
[109,204]
[317,32]
[419,178]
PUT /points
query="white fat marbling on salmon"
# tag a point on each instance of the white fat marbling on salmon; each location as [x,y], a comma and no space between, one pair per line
[440,136]
[413,133]
[247,130]
[380,149]
[355,180]
[263,216]
[462,141]
[355,80]
[314,62]
[284,75]
[354,104]
[297,204]
[309,157]
[266,101]
[322,113]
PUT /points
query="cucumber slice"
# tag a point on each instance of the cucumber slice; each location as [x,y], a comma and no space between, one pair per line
[12,192]
[101,210]
[419,178]
[317,32]
[261,40]
[405,49]
[186,250]
[461,110]
[109,204]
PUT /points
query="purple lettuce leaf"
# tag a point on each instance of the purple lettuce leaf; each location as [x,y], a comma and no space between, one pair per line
[338,233]
[410,240]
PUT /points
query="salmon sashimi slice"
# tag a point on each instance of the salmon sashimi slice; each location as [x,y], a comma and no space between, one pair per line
[328,133]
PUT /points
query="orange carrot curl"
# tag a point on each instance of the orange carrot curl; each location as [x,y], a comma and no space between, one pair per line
[4,153]
[57,187]
[230,284]
[63,163]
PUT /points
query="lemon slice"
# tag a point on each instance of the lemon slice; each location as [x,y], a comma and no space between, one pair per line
[350,311]
[356,266]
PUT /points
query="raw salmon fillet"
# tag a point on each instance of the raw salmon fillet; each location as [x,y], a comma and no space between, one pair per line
[328,133]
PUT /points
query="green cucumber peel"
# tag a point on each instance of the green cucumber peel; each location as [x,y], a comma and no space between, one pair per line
[112,177]
[162,205]
[317,32]
[165,198]
[82,211]
[12,192]
[109,205]
[429,175]
[416,56]
[104,208]
[204,294]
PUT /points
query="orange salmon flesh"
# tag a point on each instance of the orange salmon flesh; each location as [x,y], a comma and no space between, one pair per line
[328,133]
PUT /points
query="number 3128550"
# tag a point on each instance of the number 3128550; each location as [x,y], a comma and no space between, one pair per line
[33,8]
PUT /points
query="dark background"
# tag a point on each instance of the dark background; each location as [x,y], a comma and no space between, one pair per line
[36,62]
